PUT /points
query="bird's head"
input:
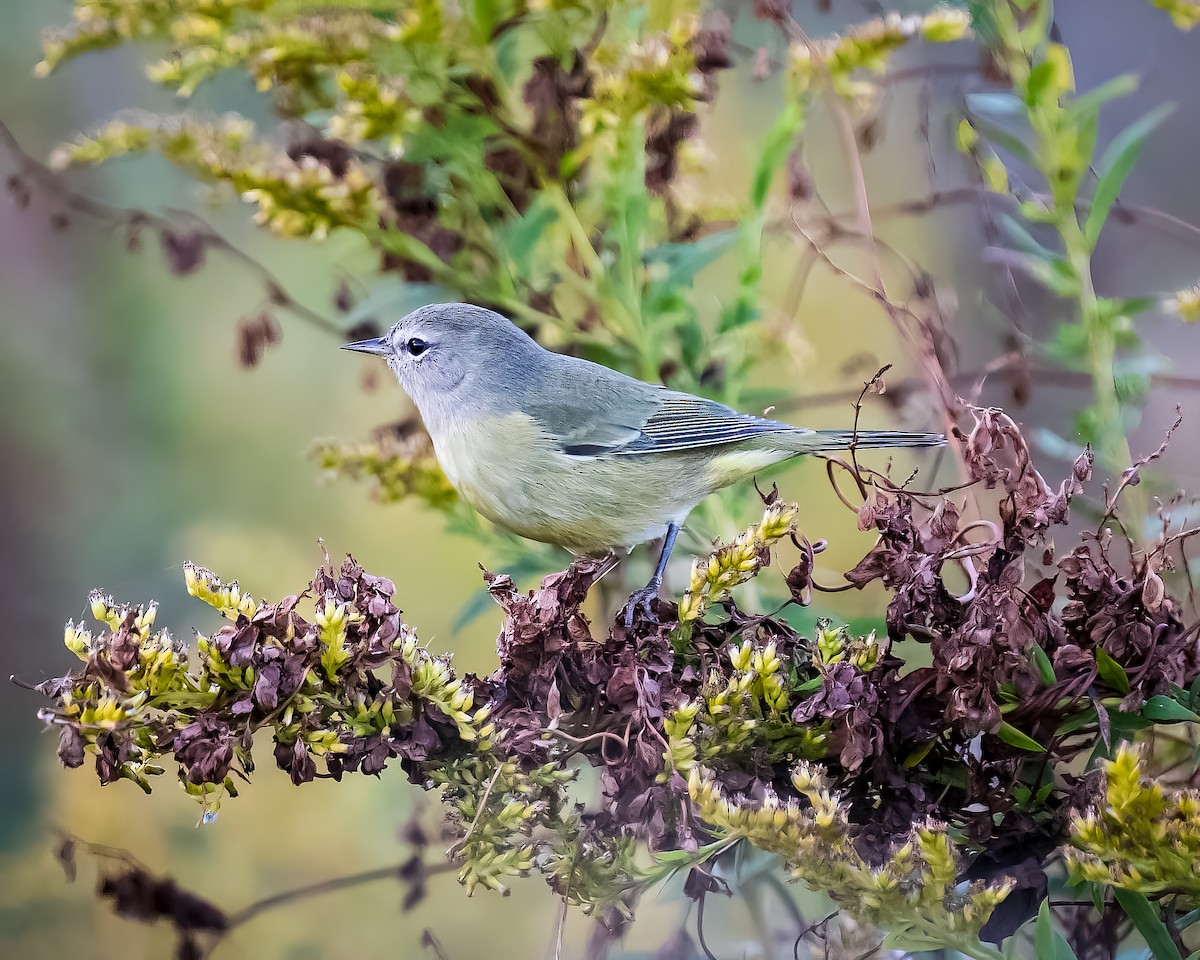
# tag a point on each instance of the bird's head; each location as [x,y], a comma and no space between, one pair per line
[454,357]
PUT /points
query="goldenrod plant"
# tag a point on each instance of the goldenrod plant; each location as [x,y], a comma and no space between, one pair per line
[935,769]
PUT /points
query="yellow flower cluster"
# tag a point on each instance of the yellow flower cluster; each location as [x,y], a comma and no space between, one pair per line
[630,77]
[868,47]
[332,620]
[498,806]
[156,687]
[374,109]
[1186,304]
[305,199]
[106,610]
[295,198]
[595,871]
[728,713]
[289,53]
[1185,13]
[915,895]
[732,564]
[409,471]
[227,598]
[159,673]
[433,680]
[1141,838]
[836,645]
[105,23]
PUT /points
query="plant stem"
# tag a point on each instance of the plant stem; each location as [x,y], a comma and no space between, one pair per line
[1114,448]
[1026,50]
[1113,445]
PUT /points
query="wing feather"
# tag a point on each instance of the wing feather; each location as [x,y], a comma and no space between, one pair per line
[680,422]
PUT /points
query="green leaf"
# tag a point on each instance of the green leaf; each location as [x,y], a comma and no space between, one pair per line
[1114,166]
[506,52]
[1126,307]
[919,754]
[1037,212]
[1023,240]
[998,136]
[776,145]
[1041,83]
[1043,664]
[1127,723]
[520,237]
[1093,100]
[1055,274]
[1081,719]
[1111,672]
[1049,943]
[482,16]
[410,248]
[1131,388]
[1015,738]
[685,260]
[480,602]
[1068,345]
[1165,710]
[736,314]
[1193,694]
[1148,922]
[691,346]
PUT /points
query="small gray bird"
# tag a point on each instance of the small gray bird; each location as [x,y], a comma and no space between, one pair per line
[568,452]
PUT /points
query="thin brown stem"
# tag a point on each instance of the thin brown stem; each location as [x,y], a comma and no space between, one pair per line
[322,887]
[132,219]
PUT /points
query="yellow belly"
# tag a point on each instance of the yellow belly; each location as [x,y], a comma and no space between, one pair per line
[509,471]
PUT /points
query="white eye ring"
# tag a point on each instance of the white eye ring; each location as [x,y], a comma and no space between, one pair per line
[415,346]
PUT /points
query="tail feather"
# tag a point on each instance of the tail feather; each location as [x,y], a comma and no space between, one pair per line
[828,440]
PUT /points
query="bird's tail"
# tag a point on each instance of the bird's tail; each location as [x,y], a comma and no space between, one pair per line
[826,441]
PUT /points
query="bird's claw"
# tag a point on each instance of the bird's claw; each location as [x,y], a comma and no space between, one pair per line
[643,598]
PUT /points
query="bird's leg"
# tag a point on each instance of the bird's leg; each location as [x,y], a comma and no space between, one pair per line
[644,597]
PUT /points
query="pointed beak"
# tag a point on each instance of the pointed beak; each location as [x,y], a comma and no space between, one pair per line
[376,345]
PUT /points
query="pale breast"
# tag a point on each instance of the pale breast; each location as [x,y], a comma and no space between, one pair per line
[515,476]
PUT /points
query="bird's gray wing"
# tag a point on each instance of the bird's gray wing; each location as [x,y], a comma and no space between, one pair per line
[685,422]
[650,420]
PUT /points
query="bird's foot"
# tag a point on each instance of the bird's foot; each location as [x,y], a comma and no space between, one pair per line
[642,599]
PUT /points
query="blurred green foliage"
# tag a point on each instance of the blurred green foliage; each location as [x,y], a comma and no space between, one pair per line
[539,158]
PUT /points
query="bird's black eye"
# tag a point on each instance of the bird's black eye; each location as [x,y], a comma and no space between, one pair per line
[416,346]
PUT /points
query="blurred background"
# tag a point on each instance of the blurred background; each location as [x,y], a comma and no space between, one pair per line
[130,441]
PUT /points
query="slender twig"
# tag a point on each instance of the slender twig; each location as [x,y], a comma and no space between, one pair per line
[132,218]
[1131,475]
[811,931]
[1004,367]
[1127,214]
[700,926]
[554,951]
[432,942]
[487,792]
[876,383]
[322,887]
